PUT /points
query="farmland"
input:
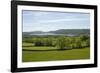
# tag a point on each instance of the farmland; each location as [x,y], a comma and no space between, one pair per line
[33,56]
[50,48]
[55,35]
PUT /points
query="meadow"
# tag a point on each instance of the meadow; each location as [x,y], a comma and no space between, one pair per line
[51,48]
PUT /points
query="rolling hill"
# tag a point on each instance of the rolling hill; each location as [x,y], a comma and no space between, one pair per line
[61,31]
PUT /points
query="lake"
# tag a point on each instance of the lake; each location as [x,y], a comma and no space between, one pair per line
[52,34]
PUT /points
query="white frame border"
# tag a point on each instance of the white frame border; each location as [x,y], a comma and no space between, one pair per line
[53,63]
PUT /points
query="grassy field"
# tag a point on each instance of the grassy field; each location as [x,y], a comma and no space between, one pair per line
[33,54]
[55,48]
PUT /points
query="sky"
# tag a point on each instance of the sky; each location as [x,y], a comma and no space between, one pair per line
[50,20]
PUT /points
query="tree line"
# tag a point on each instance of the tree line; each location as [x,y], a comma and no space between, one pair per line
[62,42]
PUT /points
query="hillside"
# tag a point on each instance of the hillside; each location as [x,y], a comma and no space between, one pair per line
[61,31]
[71,31]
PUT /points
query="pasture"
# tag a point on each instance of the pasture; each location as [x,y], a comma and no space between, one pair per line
[47,55]
[51,48]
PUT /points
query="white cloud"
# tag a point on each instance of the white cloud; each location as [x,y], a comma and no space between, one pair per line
[62,20]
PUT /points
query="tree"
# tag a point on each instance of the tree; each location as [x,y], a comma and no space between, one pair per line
[38,42]
[78,43]
[83,37]
[61,43]
[48,42]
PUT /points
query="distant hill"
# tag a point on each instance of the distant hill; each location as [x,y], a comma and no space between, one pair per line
[61,31]
[71,31]
[32,32]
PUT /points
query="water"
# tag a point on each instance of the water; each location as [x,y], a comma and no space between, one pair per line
[52,34]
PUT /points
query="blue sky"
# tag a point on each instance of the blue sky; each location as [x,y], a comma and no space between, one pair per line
[49,21]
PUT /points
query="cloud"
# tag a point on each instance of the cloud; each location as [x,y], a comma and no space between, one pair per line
[63,20]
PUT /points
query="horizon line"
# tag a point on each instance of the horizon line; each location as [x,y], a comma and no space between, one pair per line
[53,30]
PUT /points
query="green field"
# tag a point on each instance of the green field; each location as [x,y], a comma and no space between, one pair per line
[52,48]
[32,54]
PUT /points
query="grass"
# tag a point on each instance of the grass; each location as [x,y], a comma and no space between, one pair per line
[40,48]
[29,55]
[27,44]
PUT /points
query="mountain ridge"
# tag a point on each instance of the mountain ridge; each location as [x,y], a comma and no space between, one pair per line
[62,31]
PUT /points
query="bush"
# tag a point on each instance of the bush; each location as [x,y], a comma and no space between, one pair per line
[38,43]
[43,42]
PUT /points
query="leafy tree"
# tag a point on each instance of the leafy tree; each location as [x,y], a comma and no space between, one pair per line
[78,43]
[48,42]
[83,37]
[38,42]
[61,43]
[87,42]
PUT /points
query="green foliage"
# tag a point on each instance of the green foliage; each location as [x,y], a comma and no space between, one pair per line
[62,42]
[28,40]
[43,42]
[83,37]
[79,46]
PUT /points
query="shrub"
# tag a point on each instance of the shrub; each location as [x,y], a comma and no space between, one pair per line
[43,42]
